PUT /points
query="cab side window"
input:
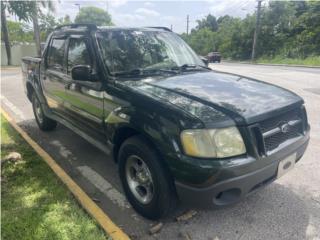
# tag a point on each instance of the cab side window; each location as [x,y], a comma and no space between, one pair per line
[78,53]
[56,54]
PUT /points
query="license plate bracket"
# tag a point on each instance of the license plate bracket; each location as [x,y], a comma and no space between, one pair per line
[285,165]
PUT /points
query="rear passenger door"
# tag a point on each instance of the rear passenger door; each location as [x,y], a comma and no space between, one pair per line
[84,99]
[54,77]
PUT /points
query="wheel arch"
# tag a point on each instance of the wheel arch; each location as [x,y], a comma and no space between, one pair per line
[120,135]
[123,133]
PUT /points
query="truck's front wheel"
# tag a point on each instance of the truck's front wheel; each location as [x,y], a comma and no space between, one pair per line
[44,123]
[144,179]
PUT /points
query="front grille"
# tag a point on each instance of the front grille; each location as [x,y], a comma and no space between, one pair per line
[274,135]
[275,140]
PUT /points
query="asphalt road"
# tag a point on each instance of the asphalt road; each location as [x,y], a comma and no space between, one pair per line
[287,209]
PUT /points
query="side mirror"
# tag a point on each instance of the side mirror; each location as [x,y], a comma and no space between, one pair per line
[81,73]
[204,60]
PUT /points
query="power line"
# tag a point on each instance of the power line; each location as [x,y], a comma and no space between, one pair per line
[79,6]
[235,7]
[243,7]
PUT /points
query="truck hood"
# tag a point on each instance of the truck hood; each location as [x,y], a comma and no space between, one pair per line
[244,100]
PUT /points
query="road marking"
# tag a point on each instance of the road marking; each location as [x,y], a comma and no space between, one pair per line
[104,186]
[12,107]
[90,206]
[94,178]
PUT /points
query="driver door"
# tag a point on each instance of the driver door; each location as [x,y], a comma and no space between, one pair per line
[84,99]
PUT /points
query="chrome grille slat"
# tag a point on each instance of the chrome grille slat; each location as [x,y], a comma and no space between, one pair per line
[271,129]
[274,141]
[278,129]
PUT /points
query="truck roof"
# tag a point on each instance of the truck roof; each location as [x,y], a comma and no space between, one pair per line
[92,27]
[135,28]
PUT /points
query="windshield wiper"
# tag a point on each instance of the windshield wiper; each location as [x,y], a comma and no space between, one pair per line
[189,67]
[163,70]
[133,72]
[144,72]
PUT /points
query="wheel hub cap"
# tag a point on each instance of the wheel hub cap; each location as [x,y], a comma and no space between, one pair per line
[139,179]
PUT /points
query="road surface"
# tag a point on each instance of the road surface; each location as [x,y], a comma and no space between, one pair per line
[287,209]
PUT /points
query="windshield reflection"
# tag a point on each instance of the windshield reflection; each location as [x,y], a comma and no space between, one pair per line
[132,52]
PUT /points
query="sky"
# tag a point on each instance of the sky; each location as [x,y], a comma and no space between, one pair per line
[160,13]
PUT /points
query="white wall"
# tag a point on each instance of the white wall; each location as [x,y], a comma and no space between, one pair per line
[18,51]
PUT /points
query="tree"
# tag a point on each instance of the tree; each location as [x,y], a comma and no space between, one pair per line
[65,20]
[93,15]
[308,35]
[4,30]
[19,32]
[47,23]
[289,29]
[209,22]
[203,41]
[34,15]
[20,9]
[29,11]
[26,11]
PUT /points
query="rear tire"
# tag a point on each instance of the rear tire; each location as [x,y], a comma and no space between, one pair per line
[152,195]
[44,123]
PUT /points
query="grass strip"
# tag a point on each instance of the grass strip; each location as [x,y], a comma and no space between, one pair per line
[35,204]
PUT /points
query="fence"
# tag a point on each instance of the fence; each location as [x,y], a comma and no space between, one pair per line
[18,51]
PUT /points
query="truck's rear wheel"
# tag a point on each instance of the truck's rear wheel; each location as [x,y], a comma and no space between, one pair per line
[44,123]
[145,181]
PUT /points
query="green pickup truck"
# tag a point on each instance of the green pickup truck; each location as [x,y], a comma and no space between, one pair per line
[179,131]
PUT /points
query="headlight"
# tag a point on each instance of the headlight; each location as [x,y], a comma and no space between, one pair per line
[219,143]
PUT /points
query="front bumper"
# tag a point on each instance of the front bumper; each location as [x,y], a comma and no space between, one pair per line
[234,188]
[214,59]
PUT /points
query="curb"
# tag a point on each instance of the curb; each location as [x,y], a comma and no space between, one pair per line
[270,64]
[90,206]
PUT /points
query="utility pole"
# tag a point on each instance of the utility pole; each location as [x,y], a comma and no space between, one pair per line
[188,24]
[171,27]
[256,31]
[79,6]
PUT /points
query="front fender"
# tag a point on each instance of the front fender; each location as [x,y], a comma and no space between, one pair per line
[162,132]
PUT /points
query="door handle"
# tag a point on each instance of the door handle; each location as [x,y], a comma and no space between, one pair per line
[67,85]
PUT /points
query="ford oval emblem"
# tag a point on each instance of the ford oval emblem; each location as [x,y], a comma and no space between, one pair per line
[285,128]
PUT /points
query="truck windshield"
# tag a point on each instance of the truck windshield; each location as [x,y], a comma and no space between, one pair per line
[129,51]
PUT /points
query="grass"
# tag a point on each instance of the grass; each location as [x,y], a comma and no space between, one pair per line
[35,203]
[309,61]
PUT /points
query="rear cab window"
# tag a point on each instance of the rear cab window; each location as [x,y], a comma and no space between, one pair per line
[55,56]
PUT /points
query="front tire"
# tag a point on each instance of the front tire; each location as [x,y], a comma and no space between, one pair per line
[44,123]
[145,180]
